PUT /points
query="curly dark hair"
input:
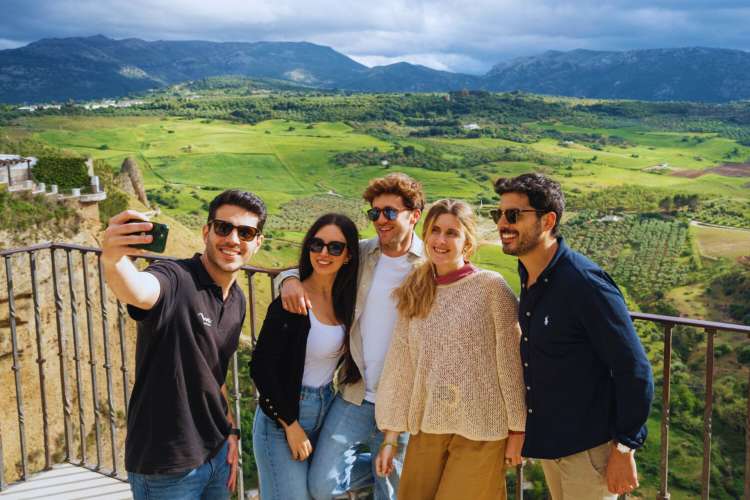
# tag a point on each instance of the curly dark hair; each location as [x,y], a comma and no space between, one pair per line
[544,194]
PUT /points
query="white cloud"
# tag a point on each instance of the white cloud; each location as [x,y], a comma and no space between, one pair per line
[439,60]
[442,34]
[10,44]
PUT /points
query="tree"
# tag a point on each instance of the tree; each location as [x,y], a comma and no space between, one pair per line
[666,204]
[692,202]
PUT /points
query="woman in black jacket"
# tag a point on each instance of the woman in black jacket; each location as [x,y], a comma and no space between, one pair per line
[296,355]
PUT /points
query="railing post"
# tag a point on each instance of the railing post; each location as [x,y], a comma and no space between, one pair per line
[2,463]
[707,415]
[665,415]
[251,303]
[238,423]
[16,366]
[62,346]
[108,365]
[40,360]
[123,355]
[92,360]
[747,441]
[76,351]
[519,482]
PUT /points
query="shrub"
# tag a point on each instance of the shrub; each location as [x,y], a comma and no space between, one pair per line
[22,211]
[116,202]
[67,173]
[743,355]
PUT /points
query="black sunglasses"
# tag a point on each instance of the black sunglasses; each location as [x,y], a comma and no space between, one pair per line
[224,228]
[335,248]
[390,213]
[511,214]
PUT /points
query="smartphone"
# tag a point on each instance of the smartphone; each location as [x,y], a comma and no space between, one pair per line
[159,233]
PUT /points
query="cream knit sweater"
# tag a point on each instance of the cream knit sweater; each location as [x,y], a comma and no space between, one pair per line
[457,371]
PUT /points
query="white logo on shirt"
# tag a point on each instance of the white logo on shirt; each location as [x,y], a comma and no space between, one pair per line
[206,319]
[546,320]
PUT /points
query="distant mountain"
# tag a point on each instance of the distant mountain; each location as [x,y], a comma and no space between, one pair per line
[405,77]
[686,74]
[97,67]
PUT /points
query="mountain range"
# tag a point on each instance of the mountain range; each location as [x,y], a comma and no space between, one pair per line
[95,67]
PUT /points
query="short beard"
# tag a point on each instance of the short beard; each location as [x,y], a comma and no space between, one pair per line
[525,245]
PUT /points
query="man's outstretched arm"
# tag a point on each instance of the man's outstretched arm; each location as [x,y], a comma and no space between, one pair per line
[130,286]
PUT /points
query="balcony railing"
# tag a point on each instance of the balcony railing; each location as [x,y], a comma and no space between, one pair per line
[64,280]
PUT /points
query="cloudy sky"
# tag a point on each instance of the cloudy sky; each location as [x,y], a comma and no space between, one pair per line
[467,35]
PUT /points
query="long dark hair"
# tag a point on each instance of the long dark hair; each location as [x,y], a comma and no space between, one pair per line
[344,286]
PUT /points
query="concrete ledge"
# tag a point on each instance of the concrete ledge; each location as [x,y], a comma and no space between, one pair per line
[93,197]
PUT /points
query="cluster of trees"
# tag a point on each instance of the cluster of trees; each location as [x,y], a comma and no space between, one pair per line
[442,157]
[592,139]
[679,201]
[735,287]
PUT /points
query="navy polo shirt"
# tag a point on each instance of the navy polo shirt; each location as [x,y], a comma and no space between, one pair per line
[177,416]
[587,377]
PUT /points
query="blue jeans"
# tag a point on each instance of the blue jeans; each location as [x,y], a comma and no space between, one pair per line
[343,460]
[281,477]
[207,482]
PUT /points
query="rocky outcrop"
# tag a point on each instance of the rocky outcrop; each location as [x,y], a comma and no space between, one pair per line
[130,180]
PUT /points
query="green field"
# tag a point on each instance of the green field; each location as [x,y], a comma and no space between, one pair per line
[717,242]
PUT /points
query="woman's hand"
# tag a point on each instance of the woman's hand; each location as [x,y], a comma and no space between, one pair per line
[298,442]
[513,448]
[388,450]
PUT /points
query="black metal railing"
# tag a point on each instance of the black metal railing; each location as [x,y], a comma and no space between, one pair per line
[50,281]
[69,271]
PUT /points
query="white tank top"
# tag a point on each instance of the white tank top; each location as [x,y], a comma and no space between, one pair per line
[323,351]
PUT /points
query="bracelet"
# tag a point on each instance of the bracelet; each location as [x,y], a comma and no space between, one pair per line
[394,444]
[234,432]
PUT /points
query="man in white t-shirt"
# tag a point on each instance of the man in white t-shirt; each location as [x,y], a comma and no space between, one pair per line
[349,437]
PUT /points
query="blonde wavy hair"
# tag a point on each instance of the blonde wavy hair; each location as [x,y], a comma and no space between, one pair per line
[415,296]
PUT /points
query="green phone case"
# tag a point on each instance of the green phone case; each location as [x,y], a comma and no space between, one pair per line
[159,233]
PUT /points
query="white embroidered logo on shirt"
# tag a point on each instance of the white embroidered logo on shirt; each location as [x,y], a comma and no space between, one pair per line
[206,319]
[546,320]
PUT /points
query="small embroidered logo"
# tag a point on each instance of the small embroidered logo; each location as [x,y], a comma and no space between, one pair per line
[546,320]
[206,319]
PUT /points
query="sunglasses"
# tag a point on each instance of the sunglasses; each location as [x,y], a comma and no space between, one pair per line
[511,214]
[224,228]
[390,213]
[335,248]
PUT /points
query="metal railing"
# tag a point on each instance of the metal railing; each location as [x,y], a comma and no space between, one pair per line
[73,269]
[69,273]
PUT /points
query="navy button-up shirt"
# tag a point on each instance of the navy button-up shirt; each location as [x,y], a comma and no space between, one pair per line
[587,377]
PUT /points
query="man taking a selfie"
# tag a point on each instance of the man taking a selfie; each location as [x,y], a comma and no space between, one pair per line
[181,440]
